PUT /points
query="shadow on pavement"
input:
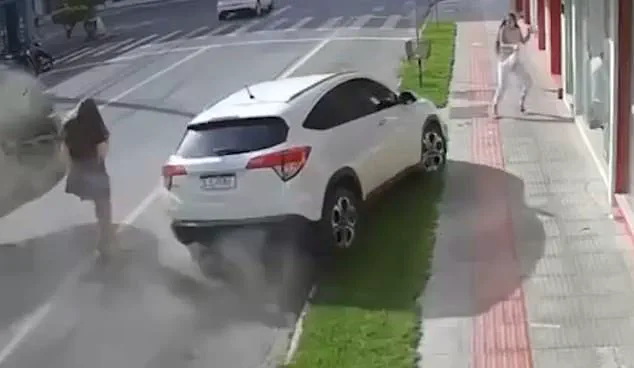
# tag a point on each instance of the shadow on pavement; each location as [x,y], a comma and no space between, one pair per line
[469,251]
[32,269]
[488,241]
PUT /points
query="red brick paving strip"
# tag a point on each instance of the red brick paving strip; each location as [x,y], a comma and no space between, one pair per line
[500,334]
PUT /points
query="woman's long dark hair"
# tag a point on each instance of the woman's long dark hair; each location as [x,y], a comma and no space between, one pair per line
[506,19]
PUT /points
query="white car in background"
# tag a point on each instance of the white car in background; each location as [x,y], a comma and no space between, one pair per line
[310,148]
[256,7]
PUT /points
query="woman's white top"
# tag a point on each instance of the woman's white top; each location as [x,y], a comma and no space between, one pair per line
[509,36]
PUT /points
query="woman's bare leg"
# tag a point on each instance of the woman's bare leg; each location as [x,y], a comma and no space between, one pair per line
[103,212]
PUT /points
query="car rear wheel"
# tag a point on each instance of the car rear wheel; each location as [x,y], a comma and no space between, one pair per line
[183,234]
[341,219]
[258,9]
[433,149]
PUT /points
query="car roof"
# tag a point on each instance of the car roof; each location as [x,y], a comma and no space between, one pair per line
[270,98]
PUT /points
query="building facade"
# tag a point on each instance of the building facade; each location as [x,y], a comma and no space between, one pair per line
[588,44]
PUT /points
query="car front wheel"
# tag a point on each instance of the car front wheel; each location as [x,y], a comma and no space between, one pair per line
[433,149]
[341,219]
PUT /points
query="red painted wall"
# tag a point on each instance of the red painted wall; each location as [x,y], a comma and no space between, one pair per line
[554,13]
[541,24]
[623,96]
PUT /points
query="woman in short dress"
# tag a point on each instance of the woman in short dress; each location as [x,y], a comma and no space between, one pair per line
[86,146]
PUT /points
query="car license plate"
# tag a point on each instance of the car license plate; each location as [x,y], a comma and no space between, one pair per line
[218,182]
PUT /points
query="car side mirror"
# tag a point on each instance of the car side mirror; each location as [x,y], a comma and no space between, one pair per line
[407,97]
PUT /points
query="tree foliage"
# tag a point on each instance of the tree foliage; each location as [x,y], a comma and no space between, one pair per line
[73,12]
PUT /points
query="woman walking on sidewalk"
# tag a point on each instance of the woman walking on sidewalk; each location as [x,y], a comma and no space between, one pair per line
[508,45]
[86,145]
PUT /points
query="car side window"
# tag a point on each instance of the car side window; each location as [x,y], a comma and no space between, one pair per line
[346,102]
[380,94]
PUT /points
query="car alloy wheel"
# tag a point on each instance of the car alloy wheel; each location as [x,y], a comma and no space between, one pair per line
[343,221]
[434,149]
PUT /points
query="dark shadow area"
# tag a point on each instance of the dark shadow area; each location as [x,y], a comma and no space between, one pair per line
[481,216]
[488,240]
[149,293]
[32,269]
[127,105]
[541,118]
[470,112]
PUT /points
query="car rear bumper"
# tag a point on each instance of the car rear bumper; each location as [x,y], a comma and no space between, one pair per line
[235,7]
[252,221]
[206,231]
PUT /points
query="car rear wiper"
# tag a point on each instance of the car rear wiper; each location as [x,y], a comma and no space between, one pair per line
[230,151]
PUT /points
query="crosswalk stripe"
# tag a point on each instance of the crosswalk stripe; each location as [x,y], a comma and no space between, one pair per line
[330,23]
[361,21]
[166,37]
[220,29]
[197,32]
[276,24]
[114,46]
[73,54]
[137,43]
[299,24]
[244,28]
[279,11]
[86,53]
[391,22]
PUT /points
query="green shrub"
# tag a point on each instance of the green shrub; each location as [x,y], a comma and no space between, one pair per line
[70,16]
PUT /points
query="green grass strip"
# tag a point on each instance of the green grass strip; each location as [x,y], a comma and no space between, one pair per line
[365,313]
[437,68]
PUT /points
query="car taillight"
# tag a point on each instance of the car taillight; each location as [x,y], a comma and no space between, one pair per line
[286,163]
[170,171]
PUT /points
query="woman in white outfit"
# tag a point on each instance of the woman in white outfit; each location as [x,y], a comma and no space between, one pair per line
[508,46]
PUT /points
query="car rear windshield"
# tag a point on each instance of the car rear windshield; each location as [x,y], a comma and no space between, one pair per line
[230,137]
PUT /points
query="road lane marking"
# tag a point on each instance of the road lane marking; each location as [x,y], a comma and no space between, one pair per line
[245,27]
[139,42]
[330,24]
[112,47]
[80,55]
[166,37]
[220,29]
[279,11]
[391,22]
[360,21]
[299,24]
[72,54]
[196,32]
[276,24]
[32,321]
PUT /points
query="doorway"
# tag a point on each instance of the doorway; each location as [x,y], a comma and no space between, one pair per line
[11,16]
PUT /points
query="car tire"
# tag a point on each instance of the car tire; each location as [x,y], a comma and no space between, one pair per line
[183,234]
[433,156]
[257,11]
[222,16]
[340,222]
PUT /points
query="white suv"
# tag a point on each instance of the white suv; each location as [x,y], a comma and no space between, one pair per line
[310,148]
[256,7]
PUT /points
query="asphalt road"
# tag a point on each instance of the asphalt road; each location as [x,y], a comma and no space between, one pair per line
[153,308]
